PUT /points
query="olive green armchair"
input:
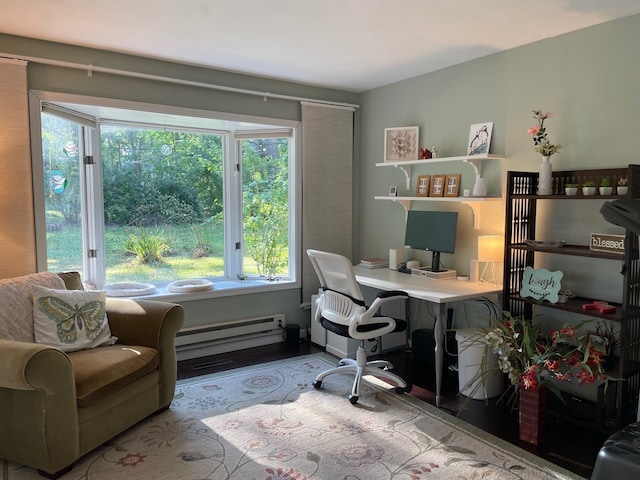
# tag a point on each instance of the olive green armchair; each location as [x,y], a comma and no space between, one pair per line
[56,406]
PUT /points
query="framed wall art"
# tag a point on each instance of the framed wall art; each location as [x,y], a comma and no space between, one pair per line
[437,186]
[393,191]
[401,143]
[452,185]
[422,187]
[480,138]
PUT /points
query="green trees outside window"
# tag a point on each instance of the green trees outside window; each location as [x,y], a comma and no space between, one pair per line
[163,202]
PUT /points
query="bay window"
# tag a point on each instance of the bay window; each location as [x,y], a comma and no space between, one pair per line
[148,197]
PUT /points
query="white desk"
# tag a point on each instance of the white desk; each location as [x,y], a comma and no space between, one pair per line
[439,292]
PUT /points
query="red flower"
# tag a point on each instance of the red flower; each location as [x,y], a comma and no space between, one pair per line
[573,359]
[552,365]
[586,377]
[595,356]
[529,379]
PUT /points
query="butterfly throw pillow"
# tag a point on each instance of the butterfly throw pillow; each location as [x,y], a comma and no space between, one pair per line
[70,319]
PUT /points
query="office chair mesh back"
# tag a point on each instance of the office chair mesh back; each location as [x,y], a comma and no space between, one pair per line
[336,273]
[339,308]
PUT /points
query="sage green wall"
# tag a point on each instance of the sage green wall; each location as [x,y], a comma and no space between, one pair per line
[57,79]
[589,79]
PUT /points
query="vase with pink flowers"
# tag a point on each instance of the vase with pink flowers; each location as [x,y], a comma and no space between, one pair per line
[544,147]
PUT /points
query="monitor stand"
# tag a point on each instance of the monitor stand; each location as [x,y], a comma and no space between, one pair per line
[441,275]
[438,274]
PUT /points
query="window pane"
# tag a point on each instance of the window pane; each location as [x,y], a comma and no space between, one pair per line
[162,204]
[265,197]
[61,162]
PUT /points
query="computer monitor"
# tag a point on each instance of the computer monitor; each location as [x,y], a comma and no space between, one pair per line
[432,231]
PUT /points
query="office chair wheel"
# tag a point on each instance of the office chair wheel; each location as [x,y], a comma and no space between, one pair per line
[317,384]
[406,389]
[353,399]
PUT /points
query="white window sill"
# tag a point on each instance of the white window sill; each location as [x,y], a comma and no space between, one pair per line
[222,288]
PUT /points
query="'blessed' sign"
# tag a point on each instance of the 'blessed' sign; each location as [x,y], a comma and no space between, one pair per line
[541,283]
[606,242]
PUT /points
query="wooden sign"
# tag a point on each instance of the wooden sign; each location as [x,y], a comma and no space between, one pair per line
[606,242]
[541,284]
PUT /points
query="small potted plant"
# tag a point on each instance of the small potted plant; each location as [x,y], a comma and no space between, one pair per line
[605,186]
[623,187]
[571,189]
[589,188]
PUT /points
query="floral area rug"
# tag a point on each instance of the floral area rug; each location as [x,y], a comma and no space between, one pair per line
[269,423]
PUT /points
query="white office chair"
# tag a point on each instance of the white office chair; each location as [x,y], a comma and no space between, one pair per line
[341,309]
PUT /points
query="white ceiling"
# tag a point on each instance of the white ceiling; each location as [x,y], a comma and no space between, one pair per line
[353,45]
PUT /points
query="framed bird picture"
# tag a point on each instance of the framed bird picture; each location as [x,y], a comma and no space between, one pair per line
[479,138]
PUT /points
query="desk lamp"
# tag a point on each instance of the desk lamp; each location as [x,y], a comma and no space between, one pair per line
[490,252]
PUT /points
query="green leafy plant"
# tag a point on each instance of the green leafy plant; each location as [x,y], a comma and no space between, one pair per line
[265,207]
[605,182]
[147,247]
[571,185]
[589,183]
[266,236]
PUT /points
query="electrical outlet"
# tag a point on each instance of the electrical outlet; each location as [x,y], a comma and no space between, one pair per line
[281,323]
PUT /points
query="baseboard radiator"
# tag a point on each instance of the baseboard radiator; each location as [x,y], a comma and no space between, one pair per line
[215,338]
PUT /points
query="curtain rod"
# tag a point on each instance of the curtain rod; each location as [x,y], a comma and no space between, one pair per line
[92,68]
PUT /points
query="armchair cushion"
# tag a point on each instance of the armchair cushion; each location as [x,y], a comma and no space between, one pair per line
[70,320]
[100,372]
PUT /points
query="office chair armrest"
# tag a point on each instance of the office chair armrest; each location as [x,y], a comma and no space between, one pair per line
[392,293]
[386,296]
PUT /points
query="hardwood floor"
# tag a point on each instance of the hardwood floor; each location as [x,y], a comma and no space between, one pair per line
[564,444]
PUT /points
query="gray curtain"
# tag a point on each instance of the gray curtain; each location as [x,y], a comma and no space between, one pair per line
[327,185]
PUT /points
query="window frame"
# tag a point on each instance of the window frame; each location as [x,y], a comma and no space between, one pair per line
[92,208]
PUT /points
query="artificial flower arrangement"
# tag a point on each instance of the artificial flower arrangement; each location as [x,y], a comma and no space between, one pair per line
[532,358]
[539,134]
[622,181]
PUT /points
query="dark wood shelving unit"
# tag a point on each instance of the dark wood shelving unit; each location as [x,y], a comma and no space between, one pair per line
[619,406]
[575,250]
[574,305]
[578,196]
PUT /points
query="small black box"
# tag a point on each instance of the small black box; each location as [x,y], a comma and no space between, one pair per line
[293,334]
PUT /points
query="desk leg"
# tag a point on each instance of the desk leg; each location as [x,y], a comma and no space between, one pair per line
[438,333]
